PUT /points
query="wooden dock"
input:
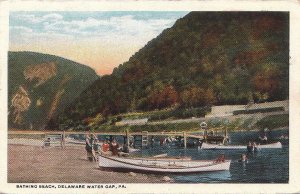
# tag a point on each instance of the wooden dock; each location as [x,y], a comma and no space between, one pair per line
[126,134]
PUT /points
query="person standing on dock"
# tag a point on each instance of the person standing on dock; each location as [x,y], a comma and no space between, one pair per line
[152,142]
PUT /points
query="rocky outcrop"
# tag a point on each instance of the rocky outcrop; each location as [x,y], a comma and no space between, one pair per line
[41,72]
[19,104]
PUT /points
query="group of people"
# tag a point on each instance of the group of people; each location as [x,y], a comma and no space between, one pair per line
[113,148]
[164,141]
[92,146]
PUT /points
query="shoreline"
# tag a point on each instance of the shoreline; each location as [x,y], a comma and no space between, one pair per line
[34,164]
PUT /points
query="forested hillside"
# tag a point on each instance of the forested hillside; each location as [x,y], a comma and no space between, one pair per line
[206,58]
[41,85]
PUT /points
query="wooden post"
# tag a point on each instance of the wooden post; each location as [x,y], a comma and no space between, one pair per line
[124,139]
[144,138]
[184,139]
[127,137]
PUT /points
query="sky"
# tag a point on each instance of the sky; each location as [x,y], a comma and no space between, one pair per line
[101,40]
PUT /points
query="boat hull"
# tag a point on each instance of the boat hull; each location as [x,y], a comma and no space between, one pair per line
[206,146]
[162,165]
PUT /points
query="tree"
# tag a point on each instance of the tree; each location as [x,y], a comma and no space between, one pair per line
[196,96]
[163,98]
[266,82]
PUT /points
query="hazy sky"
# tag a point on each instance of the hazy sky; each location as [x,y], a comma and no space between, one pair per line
[101,40]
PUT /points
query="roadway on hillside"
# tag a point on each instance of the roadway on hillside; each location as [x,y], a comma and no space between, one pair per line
[256,117]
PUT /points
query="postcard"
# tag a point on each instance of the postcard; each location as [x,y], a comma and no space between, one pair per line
[149,97]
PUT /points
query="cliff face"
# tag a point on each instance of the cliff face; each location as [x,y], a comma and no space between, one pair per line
[42,85]
[40,72]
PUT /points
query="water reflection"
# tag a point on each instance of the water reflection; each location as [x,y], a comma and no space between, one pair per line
[208,177]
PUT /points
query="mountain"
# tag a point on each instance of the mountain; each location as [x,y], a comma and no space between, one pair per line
[204,59]
[41,86]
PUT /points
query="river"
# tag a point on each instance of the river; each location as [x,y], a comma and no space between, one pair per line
[266,166]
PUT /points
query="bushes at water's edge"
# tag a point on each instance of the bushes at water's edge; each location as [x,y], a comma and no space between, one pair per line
[273,121]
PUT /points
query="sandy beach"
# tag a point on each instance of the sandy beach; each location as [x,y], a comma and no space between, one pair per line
[35,164]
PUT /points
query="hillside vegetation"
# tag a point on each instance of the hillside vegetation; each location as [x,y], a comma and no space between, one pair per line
[41,86]
[206,58]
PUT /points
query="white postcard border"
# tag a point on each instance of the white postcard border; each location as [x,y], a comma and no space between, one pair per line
[294,99]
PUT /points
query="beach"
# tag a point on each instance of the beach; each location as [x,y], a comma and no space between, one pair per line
[35,164]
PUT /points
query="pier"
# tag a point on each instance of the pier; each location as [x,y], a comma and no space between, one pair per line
[143,136]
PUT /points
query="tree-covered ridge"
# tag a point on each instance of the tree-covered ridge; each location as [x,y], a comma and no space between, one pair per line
[42,85]
[206,58]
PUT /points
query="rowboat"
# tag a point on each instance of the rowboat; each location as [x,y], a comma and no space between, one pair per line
[161,165]
[207,146]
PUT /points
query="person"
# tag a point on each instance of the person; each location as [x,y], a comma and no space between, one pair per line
[165,141]
[88,147]
[255,149]
[249,147]
[124,150]
[221,158]
[96,145]
[93,141]
[105,146]
[199,144]
[114,146]
[243,158]
[168,140]
[161,141]
[264,139]
[131,144]
[152,142]
[105,149]
[63,141]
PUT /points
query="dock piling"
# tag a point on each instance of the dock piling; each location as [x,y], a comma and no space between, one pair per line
[127,137]
[184,139]
[144,138]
